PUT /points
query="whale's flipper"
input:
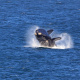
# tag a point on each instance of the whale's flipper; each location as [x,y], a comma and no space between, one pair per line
[50,31]
[55,39]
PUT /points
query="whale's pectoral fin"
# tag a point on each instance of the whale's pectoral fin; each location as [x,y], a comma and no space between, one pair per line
[55,39]
[50,31]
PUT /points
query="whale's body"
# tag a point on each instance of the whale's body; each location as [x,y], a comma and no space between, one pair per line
[44,39]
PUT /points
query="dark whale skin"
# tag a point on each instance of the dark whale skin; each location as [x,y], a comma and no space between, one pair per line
[44,39]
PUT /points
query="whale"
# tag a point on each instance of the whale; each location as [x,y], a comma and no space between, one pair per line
[44,38]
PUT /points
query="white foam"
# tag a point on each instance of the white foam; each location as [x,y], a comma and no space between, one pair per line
[64,43]
[31,40]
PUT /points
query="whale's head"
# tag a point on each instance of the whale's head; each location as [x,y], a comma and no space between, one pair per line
[41,32]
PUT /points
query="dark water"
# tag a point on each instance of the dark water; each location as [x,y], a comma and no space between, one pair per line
[27,63]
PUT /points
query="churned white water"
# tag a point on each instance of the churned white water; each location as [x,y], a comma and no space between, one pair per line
[64,43]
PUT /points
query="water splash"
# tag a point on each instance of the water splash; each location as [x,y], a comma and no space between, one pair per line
[31,40]
[64,43]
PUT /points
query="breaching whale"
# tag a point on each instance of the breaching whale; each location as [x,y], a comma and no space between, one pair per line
[44,38]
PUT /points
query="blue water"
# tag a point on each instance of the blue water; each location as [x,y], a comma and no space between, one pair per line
[22,61]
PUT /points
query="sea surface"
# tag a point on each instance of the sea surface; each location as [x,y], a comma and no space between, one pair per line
[22,57]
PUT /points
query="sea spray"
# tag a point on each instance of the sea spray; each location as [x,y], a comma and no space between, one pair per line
[64,43]
[31,40]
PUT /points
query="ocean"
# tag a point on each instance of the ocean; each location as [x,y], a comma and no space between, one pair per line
[21,55]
